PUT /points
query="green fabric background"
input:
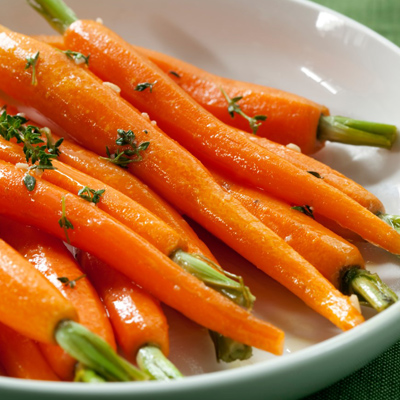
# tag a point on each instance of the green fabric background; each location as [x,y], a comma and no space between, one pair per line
[380,379]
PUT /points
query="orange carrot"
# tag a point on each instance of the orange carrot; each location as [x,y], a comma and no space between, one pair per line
[53,260]
[166,166]
[212,141]
[329,253]
[21,357]
[29,303]
[136,316]
[121,248]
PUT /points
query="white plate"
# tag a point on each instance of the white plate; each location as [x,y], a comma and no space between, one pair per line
[300,47]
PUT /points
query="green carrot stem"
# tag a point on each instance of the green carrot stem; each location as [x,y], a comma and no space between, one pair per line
[391,219]
[228,350]
[368,287]
[84,374]
[56,12]
[356,132]
[230,285]
[95,353]
[151,360]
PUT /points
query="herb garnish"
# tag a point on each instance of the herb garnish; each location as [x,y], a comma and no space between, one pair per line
[64,222]
[174,74]
[35,148]
[31,62]
[143,86]
[233,108]
[316,174]
[79,58]
[307,210]
[71,283]
[91,195]
[124,158]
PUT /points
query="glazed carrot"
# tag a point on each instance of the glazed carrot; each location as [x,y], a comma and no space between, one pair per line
[338,260]
[188,81]
[51,258]
[37,307]
[214,142]
[113,243]
[290,118]
[167,166]
[136,316]
[21,357]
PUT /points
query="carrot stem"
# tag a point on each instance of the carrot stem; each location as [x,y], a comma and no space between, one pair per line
[87,375]
[230,285]
[228,350]
[151,360]
[356,132]
[391,219]
[56,12]
[368,287]
[95,353]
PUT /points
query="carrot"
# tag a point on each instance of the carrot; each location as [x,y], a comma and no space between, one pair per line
[37,307]
[190,81]
[338,260]
[290,118]
[165,165]
[53,260]
[21,357]
[115,244]
[214,142]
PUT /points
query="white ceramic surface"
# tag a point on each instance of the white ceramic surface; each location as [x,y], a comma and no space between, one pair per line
[300,47]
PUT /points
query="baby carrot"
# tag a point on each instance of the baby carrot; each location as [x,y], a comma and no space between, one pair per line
[289,118]
[212,141]
[51,258]
[115,244]
[137,318]
[338,260]
[165,165]
[198,88]
[21,357]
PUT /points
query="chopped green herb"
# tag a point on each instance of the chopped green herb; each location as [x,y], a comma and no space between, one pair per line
[91,195]
[29,182]
[307,210]
[35,148]
[64,222]
[316,174]
[71,283]
[127,156]
[143,86]
[31,62]
[174,74]
[233,108]
[79,58]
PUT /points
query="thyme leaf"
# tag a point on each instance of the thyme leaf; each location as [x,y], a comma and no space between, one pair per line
[175,74]
[91,195]
[79,58]
[233,107]
[71,283]
[31,62]
[307,210]
[316,174]
[29,182]
[64,222]
[128,155]
[144,85]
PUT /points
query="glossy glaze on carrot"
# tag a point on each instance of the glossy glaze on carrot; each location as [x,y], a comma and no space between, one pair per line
[96,232]
[51,258]
[175,173]
[137,317]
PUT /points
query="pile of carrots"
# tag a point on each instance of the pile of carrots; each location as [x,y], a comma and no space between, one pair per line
[134,148]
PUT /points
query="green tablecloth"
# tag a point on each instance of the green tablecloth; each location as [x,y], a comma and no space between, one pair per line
[380,379]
